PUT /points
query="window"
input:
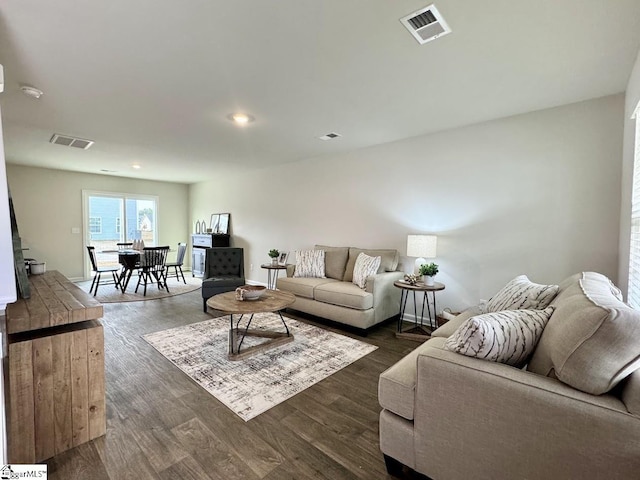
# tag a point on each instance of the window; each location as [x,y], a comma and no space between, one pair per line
[113,217]
[95,224]
[633,296]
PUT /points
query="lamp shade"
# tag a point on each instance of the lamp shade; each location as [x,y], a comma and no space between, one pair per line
[423,246]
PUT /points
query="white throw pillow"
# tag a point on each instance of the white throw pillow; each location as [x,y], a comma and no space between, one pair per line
[309,263]
[508,336]
[365,266]
[520,294]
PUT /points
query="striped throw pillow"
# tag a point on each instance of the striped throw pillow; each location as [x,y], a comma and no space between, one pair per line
[365,266]
[309,264]
[508,336]
[520,294]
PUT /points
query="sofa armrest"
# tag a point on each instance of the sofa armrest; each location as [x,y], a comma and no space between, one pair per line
[479,419]
[382,281]
[291,269]
[386,297]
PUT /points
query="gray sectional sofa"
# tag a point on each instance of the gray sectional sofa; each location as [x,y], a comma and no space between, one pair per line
[572,412]
[338,299]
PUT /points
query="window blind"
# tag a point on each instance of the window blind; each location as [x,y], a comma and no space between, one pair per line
[633,296]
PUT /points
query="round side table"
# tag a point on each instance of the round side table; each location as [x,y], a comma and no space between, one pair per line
[418,331]
[273,271]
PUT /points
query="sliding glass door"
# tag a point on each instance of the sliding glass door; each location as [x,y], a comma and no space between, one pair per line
[112,218]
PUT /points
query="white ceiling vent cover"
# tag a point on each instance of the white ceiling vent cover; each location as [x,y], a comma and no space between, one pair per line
[70,141]
[426,24]
[330,136]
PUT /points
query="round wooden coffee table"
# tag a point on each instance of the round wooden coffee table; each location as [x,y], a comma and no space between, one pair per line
[271,301]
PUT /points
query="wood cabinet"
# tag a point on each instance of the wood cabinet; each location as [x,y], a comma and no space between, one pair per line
[56,388]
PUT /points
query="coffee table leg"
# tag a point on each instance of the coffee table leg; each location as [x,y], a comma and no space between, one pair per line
[284,323]
[232,335]
[245,331]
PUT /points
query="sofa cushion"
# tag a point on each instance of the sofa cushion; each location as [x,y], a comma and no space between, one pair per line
[388,260]
[520,293]
[508,336]
[592,340]
[302,287]
[397,384]
[335,260]
[344,294]
[309,264]
[365,266]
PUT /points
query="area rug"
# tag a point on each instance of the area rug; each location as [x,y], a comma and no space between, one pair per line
[252,386]
[110,294]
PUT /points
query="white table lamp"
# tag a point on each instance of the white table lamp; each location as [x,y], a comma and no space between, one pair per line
[422,247]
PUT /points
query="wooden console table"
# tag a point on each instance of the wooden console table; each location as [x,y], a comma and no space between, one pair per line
[56,390]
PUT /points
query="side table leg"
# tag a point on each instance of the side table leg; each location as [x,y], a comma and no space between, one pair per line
[403,305]
[435,311]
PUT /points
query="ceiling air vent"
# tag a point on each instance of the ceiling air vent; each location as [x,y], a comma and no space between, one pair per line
[70,141]
[330,136]
[426,24]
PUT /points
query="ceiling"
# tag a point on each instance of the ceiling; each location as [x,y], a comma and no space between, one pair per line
[153,81]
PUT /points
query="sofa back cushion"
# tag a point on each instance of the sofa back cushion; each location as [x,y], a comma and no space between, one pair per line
[388,260]
[592,340]
[335,261]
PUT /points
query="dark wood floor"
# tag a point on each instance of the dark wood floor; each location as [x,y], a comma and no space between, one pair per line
[161,425]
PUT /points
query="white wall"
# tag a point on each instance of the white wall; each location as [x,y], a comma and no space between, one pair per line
[7,287]
[7,275]
[537,193]
[48,204]
[631,101]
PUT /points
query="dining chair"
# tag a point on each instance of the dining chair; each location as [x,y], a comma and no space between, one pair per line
[153,267]
[98,271]
[177,265]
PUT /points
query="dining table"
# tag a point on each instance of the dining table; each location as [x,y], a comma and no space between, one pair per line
[130,261]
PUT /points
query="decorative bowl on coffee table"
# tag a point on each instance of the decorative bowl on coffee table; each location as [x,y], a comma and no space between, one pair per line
[252,292]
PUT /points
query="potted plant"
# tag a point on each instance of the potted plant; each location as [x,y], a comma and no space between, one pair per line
[274,254]
[428,271]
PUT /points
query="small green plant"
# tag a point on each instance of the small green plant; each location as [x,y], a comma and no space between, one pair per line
[428,269]
[273,253]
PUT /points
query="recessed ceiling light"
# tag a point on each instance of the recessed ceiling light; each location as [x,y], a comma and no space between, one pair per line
[31,91]
[136,166]
[240,118]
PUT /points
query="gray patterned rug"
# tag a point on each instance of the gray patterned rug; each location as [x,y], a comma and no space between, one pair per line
[252,386]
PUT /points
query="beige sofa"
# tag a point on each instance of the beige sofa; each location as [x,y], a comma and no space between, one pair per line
[572,413]
[337,298]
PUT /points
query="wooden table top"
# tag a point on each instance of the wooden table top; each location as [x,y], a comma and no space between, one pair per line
[270,266]
[419,287]
[54,301]
[270,301]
